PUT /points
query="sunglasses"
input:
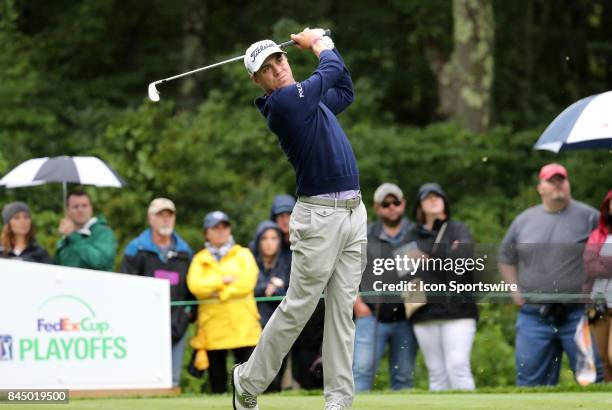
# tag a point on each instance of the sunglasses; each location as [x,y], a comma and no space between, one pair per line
[397,202]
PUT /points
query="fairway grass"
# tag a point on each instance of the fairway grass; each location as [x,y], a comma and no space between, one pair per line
[369,401]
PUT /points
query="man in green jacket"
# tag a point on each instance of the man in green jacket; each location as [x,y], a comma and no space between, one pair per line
[87,242]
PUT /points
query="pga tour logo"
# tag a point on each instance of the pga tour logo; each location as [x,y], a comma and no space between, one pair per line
[6,347]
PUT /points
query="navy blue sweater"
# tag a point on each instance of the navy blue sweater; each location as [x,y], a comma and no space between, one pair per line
[303,116]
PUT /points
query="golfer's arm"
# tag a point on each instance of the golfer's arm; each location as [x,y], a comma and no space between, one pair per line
[341,95]
[305,98]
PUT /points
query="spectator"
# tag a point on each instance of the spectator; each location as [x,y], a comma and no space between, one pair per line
[446,325]
[598,266]
[379,324]
[19,235]
[224,274]
[274,267]
[282,206]
[544,329]
[307,353]
[87,241]
[161,253]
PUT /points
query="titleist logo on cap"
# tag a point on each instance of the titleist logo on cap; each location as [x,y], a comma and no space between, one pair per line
[259,49]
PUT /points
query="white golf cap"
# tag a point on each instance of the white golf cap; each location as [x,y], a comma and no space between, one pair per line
[161,204]
[387,189]
[257,53]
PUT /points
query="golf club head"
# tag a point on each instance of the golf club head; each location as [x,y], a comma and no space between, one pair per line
[153,93]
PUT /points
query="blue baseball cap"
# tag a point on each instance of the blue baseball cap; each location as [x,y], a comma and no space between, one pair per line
[281,204]
[214,218]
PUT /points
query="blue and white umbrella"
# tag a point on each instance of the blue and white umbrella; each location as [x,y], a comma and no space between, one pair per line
[585,124]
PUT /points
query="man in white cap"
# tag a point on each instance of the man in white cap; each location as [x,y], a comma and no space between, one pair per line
[328,223]
[161,253]
[383,321]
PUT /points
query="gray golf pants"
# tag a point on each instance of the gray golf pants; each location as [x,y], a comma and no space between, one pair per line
[328,246]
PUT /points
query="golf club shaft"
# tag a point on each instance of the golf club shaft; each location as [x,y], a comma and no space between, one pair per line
[231,60]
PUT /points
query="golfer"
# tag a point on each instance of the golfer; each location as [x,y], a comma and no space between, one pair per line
[327,230]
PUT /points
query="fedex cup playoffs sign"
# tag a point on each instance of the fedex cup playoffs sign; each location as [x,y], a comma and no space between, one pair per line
[81,329]
[80,337]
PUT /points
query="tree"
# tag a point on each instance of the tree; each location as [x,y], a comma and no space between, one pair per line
[465,81]
[193,51]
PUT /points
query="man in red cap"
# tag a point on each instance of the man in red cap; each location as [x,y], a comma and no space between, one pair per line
[542,253]
[554,187]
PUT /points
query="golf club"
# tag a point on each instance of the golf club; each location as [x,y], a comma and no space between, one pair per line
[154,94]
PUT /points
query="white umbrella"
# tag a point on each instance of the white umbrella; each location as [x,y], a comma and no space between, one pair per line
[585,124]
[64,169]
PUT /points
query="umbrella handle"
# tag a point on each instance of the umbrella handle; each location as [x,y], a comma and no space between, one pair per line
[65,194]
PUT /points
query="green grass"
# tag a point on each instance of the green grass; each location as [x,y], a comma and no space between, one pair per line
[594,397]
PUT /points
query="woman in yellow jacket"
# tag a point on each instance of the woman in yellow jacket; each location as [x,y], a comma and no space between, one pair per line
[224,275]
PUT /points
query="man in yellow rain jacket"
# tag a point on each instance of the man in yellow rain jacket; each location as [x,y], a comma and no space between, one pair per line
[223,274]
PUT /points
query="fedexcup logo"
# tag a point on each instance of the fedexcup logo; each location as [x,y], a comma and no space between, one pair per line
[87,323]
[69,329]
[259,49]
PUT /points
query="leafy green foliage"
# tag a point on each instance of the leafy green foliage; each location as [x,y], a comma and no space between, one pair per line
[73,77]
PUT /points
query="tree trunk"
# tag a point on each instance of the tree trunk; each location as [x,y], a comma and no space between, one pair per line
[466,80]
[193,52]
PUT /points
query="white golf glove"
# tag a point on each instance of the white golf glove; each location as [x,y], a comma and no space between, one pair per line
[320,32]
[329,43]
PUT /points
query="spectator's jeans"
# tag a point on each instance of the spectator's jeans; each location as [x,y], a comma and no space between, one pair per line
[540,344]
[371,336]
[446,347]
[177,360]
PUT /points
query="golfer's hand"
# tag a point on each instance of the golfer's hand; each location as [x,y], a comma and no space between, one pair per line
[318,31]
[66,227]
[310,39]
[306,38]
[329,43]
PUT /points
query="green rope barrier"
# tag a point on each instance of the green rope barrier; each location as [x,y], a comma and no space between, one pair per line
[558,297]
